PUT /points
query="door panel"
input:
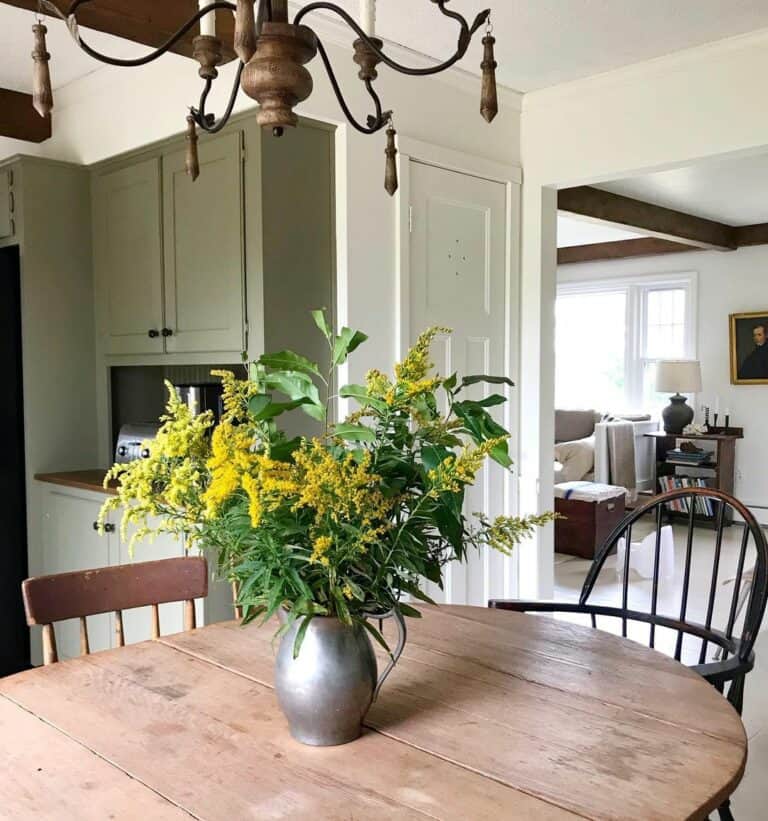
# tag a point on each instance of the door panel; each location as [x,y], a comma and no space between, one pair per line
[204,261]
[458,279]
[128,258]
[71,543]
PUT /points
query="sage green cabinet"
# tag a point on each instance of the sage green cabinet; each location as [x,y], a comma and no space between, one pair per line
[127,243]
[168,252]
[6,203]
[203,248]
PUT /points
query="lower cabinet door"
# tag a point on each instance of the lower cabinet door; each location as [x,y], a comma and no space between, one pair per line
[70,542]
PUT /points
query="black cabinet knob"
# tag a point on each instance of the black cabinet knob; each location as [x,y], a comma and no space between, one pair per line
[108,527]
[167,332]
[153,334]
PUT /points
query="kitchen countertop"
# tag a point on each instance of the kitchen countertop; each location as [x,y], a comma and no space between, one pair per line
[83,479]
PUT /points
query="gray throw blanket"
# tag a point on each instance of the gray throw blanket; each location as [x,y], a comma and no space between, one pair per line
[621,455]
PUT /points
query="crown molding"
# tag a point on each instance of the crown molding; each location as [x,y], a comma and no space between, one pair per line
[647,69]
[332,30]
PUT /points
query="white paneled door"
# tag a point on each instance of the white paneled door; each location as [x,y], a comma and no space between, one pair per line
[458,264]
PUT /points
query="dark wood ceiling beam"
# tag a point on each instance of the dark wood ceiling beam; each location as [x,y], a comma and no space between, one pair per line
[654,220]
[19,120]
[752,234]
[150,22]
[621,249]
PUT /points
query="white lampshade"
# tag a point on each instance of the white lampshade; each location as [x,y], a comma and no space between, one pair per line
[678,376]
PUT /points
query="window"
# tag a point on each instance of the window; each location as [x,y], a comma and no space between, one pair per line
[609,335]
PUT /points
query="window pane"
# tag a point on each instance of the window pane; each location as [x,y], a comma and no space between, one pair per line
[665,324]
[590,338]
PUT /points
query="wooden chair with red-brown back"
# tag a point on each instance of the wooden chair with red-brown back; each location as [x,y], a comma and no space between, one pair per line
[62,596]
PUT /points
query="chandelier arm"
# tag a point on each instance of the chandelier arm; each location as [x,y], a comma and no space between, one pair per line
[465,36]
[153,55]
[202,119]
[375,123]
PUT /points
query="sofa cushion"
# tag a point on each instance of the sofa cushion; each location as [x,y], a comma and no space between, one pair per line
[575,424]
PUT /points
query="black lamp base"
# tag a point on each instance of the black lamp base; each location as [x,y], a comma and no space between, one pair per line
[677,415]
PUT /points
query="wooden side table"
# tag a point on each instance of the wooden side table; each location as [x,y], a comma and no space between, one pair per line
[719,471]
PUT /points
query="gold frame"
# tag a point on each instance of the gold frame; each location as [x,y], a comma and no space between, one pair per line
[734,364]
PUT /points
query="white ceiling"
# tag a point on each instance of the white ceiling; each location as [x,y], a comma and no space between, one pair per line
[545,42]
[67,63]
[733,191]
[540,42]
[574,231]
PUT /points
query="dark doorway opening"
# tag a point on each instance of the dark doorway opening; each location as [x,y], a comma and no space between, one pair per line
[14,634]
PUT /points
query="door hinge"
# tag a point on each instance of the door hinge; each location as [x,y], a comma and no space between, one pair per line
[410,219]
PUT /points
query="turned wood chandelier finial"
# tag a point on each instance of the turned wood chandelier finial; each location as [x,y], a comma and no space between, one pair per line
[273,53]
[42,93]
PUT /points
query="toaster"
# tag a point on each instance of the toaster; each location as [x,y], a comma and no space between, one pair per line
[132,441]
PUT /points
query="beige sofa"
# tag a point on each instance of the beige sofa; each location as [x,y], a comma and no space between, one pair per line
[598,447]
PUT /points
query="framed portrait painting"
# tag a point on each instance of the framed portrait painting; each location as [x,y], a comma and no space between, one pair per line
[749,348]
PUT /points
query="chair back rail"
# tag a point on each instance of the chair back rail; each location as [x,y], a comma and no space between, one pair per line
[49,599]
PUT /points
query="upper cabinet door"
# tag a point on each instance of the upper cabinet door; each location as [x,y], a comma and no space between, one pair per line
[6,200]
[128,261]
[204,260]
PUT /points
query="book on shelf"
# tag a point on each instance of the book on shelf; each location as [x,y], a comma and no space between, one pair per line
[702,505]
[676,455]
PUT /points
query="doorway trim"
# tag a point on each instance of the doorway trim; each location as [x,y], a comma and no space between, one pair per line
[510,176]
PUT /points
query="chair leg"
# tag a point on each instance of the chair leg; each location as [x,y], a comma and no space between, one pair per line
[724,811]
[736,694]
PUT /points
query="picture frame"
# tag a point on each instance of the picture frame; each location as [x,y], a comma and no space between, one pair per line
[749,348]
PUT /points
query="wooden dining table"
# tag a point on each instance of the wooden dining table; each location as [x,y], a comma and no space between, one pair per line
[488,715]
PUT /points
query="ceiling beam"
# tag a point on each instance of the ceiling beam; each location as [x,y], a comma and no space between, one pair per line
[150,22]
[654,220]
[621,249]
[19,119]
[752,234]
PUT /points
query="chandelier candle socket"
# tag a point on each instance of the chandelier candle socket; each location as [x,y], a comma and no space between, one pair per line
[42,94]
[274,51]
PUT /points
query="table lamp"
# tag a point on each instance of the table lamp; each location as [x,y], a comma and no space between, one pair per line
[677,376]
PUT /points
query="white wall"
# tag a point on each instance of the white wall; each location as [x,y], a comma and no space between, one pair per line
[728,283]
[700,103]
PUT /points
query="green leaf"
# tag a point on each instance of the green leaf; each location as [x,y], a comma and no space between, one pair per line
[274,409]
[355,433]
[288,361]
[300,633]
[500,453]
[346,342]
[407,610]
[481,377]
[322,323]
[450,383]
[375,633]
[434,455]
[360,393]
[493,399]
[283,450]
[298,386]
[257,403]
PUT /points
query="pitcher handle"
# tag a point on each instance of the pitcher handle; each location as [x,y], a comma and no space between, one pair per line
[394,657]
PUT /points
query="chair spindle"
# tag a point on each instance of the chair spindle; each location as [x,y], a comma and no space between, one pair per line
[85,646]
[713,583]
[656,561]
[50,654]
[190,621]
[686,573]
[155,621]
[119,632]
[737,587]
[625,582]
[235,594]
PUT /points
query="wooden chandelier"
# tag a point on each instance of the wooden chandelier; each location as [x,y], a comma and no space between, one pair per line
[273,55]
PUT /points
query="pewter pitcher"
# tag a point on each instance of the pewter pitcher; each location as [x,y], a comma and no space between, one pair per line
[326,691]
